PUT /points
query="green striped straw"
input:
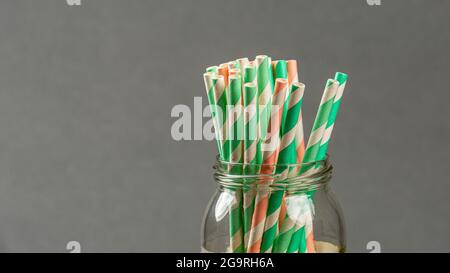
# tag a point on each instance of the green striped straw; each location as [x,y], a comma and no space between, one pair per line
[280,69]
[265,91]
[211,82]
[320,122]
[212,69]
[236,118]
[243,62]
[251,155]
[235,137]
[280,72]
[236,235]
[287,155]
[321,154]
[302,227]
[252,152]
[251,126]
[220,97]
[342,79]
[250,75]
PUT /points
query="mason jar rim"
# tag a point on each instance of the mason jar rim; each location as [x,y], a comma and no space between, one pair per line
[293,177]
[323,162]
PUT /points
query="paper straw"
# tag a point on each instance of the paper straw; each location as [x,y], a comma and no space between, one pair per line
[211,80]
[280,72]
[235,117]
[300,140]
[234,71]
[234,64]
[250,80]
[270,157]
[236,231]
[313,146]
[298,233]
[223,71]
[280,69]
[212,69]
[292,72]
[342,79]
[287,155]
[320,123]
[253,132]
[236,121]
[272,142]
[271,77]
[220,97]
[250,75]
[310,155]
[307,241]
[252,152]
[220,106]
[303,227]
[310,248]
[243,62]
[250,99]
[292,76]
[264,93]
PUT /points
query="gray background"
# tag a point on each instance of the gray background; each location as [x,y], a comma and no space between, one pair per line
[86,93]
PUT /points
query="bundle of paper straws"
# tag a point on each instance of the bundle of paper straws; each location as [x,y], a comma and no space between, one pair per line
[257,116]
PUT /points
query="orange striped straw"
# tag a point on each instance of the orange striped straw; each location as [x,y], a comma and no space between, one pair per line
[292,71]
[223,70]
[271,150]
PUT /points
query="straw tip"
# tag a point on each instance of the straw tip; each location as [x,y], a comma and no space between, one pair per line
[281,80]
[298,85]
[291,62]
[244,59]
[331,82]
[212,68]
[261,57]
[209,75]
[283,62]
[249,65]
[341,77]
[234,71]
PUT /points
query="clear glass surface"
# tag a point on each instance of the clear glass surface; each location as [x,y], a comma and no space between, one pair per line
[283,208]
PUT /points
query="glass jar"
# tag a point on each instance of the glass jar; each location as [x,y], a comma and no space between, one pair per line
[268,208]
